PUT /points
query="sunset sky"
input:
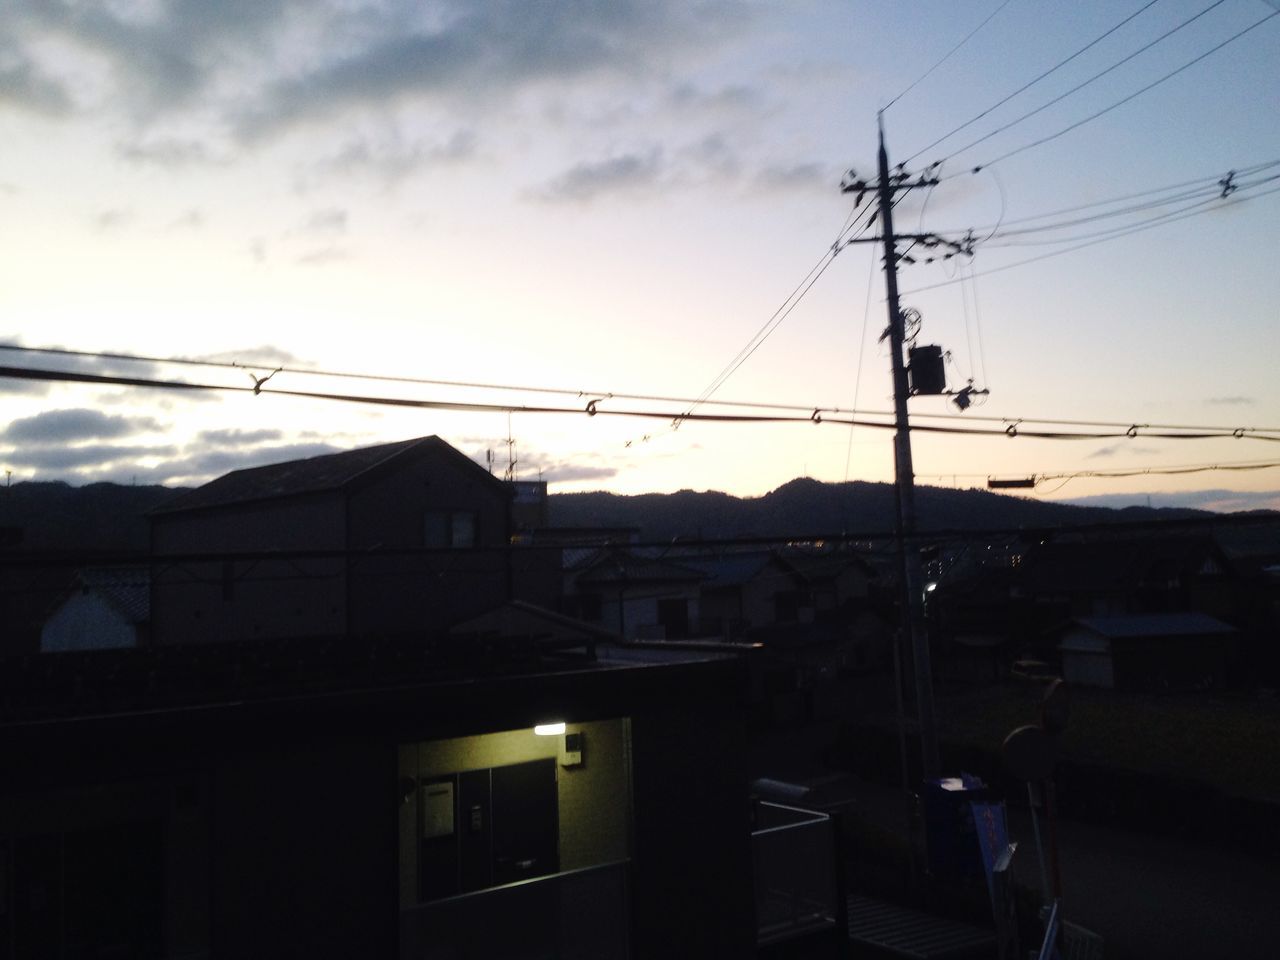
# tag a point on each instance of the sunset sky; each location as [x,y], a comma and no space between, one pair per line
[613,198]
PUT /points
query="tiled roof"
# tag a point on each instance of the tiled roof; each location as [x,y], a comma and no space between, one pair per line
[1156,625]
[333,471]
[127,590]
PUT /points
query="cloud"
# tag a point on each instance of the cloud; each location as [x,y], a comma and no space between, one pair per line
[473,51]
[24,86]
[1218,501]
[390,158]
[797,176]
[588,181]
[565,472]
[1126,447]
[1232,401]
[112,219]
[236,438]
[86,458]
[170,153]
[330,221]
[55,427]
[323,255]
[188,220]
[260,356]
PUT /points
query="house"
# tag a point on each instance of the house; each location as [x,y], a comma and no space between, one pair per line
[1153,652]
[416,797]
[637,594]
[105,607]
[1126,575]
[394,538]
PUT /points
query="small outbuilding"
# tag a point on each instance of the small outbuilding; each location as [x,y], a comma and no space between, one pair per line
[1157,651]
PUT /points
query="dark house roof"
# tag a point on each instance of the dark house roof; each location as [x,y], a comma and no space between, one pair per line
[615,566]
[330,472]
[1154,626]
[126,590]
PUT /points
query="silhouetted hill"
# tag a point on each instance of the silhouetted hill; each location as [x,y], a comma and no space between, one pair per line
[99,516]
[106,516]
[802,507]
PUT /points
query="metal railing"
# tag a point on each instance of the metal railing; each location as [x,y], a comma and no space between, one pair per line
[574,914]
[793,851]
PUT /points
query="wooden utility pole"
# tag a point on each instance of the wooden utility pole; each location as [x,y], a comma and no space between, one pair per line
[905,519]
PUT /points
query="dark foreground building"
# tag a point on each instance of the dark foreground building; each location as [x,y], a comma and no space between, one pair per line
[326,798]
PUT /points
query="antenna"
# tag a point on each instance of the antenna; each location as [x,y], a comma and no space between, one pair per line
[510,473]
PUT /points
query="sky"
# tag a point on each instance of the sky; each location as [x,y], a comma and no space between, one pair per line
[613,197]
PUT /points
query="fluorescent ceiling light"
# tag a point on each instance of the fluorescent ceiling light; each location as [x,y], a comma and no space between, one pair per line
[549,729]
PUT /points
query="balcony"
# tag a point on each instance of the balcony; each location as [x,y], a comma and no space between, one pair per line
[575,914]
[794,855]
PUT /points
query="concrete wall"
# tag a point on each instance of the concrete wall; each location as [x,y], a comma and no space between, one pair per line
[594,797]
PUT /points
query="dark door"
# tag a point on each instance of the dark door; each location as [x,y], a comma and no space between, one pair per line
[525,821]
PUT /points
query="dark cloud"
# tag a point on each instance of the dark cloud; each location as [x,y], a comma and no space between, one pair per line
[737,97]
[1115,448]
[1233,401]
[22,85]
[391,159]
[798,176]
[264,356]
[202,466]
[236,438]
[479,49]
[588,181]
[55,427]
[112,219]
[84,459]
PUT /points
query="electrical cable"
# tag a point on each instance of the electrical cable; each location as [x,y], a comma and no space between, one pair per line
[1055,253]
[969,36]
[1211,182]
[842,240]
[1034,81]
[1013,430]
[1137,93]
[808,409]
[862,345]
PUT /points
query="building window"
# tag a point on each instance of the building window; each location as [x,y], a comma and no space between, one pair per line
[449,528]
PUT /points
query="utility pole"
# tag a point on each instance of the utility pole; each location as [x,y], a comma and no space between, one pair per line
[904,475]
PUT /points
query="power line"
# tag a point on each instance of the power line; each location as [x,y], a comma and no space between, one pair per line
[787,306]
[1012,430]
[1236,466]
[1211,193]
[1114,236]
[807,409]
[1034,81]
[1132,96]
[969,36]
[1211,182]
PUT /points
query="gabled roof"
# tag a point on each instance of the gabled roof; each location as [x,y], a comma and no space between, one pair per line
[730,570]
[1155,625]
[617,566]
[126,590]
[329,472]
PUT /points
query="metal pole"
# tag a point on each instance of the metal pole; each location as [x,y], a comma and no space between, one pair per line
[909,552]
